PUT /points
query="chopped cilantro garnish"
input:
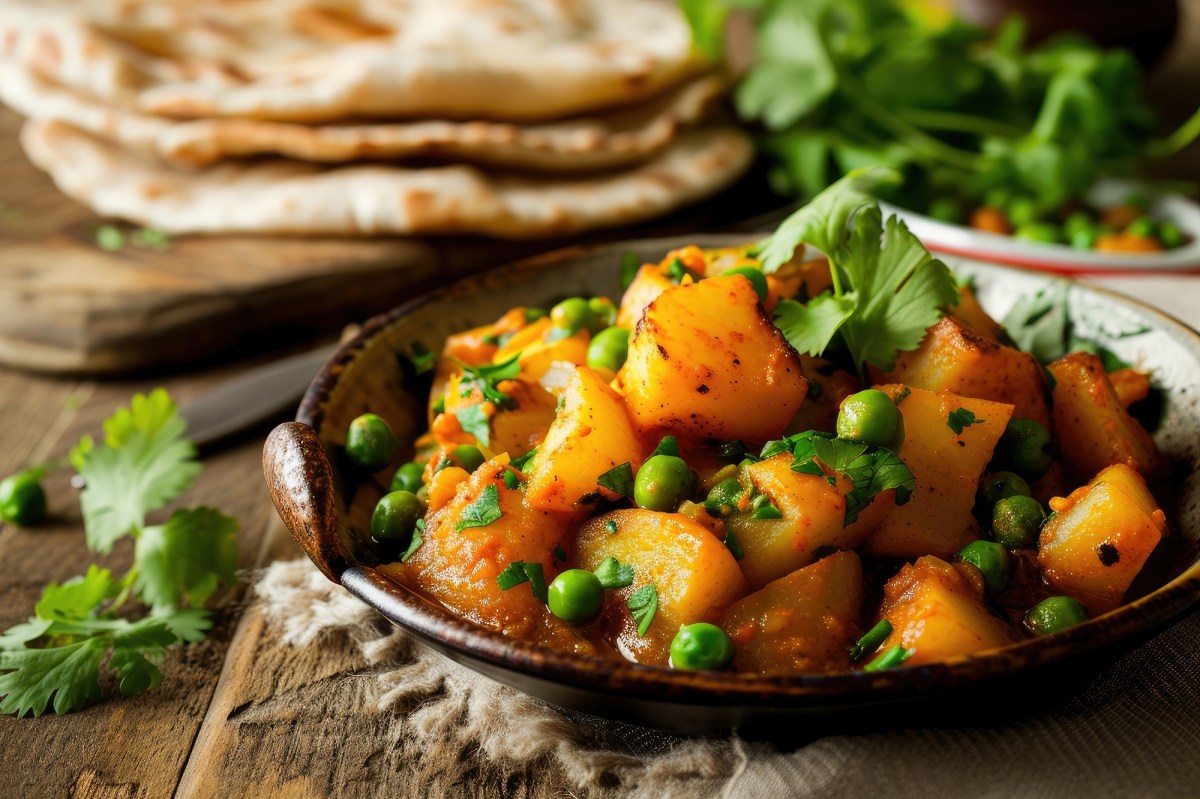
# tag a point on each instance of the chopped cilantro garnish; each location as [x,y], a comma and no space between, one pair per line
[484,510]
[960,419]
[474,420]
[613,574]
[519,572]
[618,480]
[418,538]
[643,604]
[733,545]
[668,446]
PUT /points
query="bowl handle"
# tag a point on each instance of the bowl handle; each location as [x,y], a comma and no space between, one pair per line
[300,480]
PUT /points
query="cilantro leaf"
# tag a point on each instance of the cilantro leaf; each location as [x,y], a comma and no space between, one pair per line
[475,421]
[69,673]
[143,464]
[418,538]
[643,604]
[668,446]
[809,328]
[521,462]
[419,358]
[871,470]
[900,288]
[960,419]
[822,222]
[486,376]
[481,512]
[78,598]
[733,545]
[613,574]
[618,480]
[519,572]
[183,561]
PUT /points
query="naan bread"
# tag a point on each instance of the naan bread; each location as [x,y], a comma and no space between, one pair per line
[311,60]
[617,138]
[282,196]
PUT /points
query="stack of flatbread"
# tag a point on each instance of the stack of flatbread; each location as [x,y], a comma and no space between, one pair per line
[505,117]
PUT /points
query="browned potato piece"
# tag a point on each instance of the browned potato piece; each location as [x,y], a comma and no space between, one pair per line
[937,519]
[706,362]
[458,567]
[955,357]
[646,286]
[804,622]
[1130,384]
[971,312]
[1094,430]
[694,574]
[591,434]
[814,515]
[938,611]
[1100,538]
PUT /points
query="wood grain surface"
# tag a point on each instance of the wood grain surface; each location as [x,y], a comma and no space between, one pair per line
[238,715]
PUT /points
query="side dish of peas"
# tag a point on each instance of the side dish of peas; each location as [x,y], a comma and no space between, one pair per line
[665,480]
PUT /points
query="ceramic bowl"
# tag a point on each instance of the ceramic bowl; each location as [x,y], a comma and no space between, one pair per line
[960,240]
[327,507]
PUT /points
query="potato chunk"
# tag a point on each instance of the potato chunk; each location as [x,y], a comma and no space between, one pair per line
[694,574]
[591,434]
[1100,538]
[947,465]
[804,622]
[957,358]
[1093,427]
[814,514]
[707,362]
[939,613]
[458,567]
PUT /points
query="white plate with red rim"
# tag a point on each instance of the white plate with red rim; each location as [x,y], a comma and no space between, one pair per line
[945,237]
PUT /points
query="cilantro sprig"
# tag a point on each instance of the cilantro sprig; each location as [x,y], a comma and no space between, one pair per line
[872,470]
[887,288]
[56,657]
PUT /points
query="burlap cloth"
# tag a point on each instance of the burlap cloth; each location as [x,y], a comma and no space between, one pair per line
[1131,730]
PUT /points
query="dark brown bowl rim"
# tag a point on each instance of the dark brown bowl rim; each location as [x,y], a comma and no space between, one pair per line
[435,623]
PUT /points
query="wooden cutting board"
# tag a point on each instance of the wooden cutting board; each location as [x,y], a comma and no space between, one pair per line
[68,306]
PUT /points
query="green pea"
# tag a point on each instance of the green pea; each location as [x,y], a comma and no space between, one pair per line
[992,560]
[575,595]
[604,313]
[1025,448]
[723,498]
[701,646]
[662,483]
[572,314]
[946,209]
[609,349]
[1080,220]
[1039,231]
[1016,522]
[1169,235]
[1021,211]
[756,278]
[1142,227]
[409,477]
[370,443]
[871,417]
[22,499]
[1054,615]
[533,314]
[1002,485]
[467,456]
[1084,239]
[396,515]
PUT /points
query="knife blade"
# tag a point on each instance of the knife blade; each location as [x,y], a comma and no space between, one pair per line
[267,392]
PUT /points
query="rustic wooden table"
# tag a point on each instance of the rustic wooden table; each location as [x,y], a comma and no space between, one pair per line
[237,711]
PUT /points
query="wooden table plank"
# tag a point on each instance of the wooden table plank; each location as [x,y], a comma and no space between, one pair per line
[133,747]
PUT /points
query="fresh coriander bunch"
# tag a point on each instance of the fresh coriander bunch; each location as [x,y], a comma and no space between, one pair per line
[967,117]
[144,463]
